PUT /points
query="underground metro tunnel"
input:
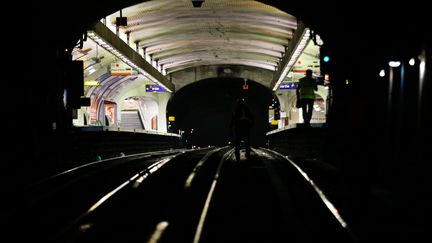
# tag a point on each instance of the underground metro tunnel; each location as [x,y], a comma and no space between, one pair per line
[384,151]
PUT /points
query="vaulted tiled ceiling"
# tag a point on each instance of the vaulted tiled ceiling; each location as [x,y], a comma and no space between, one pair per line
[220,32]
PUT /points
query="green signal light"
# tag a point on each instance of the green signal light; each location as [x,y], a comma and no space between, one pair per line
[326,59]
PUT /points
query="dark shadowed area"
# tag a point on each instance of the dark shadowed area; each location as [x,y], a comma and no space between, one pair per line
[206,107]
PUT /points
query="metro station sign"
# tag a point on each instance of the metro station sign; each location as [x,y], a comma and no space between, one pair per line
[154,88]
[288,85]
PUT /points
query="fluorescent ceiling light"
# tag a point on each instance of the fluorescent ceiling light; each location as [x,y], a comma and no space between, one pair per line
[295,55]
[92,35]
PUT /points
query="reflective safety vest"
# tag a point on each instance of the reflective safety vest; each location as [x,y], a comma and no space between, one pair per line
[307,87]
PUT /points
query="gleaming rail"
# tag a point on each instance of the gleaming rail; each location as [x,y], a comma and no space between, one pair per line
[196,196]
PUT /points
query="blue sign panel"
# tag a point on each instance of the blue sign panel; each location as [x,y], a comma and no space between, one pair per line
[154,88]
[288,86]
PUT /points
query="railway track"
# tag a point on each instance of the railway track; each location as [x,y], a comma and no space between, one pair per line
[185,196]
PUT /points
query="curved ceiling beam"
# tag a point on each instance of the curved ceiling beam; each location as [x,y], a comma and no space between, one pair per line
[196,63]
[154,10]
[157,55]
[168,14]
[217,55]
[164,17]
[145,36]
[212,34]
[216,43]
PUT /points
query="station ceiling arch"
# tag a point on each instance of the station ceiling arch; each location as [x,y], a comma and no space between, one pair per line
[174,35]
[177,35]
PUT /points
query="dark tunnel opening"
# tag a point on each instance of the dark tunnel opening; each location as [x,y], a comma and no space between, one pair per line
[206,107]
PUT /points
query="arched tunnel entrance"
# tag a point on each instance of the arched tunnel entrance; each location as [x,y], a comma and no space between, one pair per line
[382,148]
[203,110]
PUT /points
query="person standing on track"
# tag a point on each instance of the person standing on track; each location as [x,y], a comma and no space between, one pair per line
[240,126]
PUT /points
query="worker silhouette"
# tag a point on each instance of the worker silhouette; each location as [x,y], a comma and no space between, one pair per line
[240,126]
[306,94]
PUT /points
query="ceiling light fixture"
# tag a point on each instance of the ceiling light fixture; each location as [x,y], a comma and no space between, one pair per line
[295,55]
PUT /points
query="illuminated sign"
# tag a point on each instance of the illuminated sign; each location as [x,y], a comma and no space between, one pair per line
[154,88]
[91,83]
[120,69]
[171,118]
[287,85]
